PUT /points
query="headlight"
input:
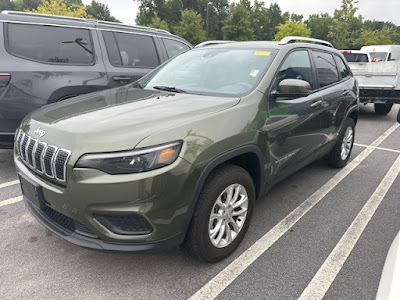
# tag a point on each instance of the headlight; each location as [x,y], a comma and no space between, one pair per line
[135,161]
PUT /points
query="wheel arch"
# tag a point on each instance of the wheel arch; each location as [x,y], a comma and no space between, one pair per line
[248,157]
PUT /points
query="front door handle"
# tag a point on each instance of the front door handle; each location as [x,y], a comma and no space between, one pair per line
[316,103]
[122,78]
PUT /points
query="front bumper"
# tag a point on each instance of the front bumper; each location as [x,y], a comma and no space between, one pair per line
[160,197]
[95,243]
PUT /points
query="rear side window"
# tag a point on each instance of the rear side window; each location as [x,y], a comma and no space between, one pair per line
[131,50]
[174,48]
[356,57]
[342,68]
[326,68]
[50,44]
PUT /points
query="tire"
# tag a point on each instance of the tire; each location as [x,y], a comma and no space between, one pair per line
[203,234]
[340,154]
[383,108]
[398,116]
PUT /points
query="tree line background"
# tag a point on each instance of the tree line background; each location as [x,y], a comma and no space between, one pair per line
[242,21]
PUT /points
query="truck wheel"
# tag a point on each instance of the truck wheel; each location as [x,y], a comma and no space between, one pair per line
[383,108]
[340,154]
[222,215]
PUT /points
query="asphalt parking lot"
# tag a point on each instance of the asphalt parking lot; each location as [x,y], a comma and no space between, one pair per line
[322,232]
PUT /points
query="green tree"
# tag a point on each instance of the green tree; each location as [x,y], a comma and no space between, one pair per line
[191,27]
[319,25]
[217,12]
[292,28]
[156,22]
[259,18]
[238,23]
[59,7]
[275,17]
[346,26]
[376,37]
[147,8]
[7,5]
[296,18]
[100,11]
[27,5]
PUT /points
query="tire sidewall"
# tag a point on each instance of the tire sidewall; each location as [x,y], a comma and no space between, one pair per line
[207,200]
[349,123]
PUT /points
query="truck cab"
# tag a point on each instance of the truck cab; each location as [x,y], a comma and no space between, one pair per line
[382,52]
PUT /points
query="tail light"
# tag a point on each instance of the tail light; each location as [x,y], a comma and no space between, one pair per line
[4,79]
[345,51]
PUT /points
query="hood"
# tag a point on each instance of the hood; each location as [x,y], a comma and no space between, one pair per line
[118,119]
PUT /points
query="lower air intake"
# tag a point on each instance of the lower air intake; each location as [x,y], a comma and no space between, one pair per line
[132,224]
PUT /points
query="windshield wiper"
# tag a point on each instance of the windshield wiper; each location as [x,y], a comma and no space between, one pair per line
[169,89]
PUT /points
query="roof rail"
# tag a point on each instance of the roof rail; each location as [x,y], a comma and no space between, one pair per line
[211,43]
[293,39]
[131,26]
[23,13]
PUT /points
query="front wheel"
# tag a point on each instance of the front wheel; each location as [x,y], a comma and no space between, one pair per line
[340,154]
[383,108]
[222,215]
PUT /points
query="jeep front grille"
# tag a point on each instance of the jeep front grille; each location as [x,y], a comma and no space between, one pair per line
[45,159]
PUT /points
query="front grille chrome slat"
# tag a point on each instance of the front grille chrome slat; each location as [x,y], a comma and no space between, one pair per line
[29,151]
[45,159]
[48,157]
[24,143]
[60,164]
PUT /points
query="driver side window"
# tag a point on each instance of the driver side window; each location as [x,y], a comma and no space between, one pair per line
[296,66]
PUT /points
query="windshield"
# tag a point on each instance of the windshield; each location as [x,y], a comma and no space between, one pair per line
[378,56]
[219,72]
[356,57]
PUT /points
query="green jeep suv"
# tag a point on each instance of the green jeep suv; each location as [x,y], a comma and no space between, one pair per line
[181,155]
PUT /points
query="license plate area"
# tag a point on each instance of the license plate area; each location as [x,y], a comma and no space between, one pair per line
[32,191]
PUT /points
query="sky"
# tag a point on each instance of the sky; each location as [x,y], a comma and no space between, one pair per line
[388,10]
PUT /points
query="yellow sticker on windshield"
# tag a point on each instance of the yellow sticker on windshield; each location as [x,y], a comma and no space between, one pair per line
[262,53]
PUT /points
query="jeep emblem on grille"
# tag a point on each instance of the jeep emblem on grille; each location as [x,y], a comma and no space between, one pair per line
[40,132]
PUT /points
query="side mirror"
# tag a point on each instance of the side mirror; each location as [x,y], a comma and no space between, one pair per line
[293,88]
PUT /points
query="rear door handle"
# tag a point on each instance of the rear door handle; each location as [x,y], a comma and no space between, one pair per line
[122,78]
[316,103]
[346,92]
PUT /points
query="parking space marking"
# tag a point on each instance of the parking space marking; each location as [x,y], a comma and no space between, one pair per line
[223,279]
[11,183]
[323,279]
[378,148]
[10,201]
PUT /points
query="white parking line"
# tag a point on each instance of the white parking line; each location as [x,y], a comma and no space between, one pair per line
[378,148]
[323,279]
[10,201]
[222,280]
[11,183]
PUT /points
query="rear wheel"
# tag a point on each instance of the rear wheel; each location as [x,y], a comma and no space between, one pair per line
[340,154]
[383,108]
[222,215]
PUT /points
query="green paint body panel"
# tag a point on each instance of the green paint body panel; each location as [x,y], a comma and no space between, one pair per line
[287,133]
